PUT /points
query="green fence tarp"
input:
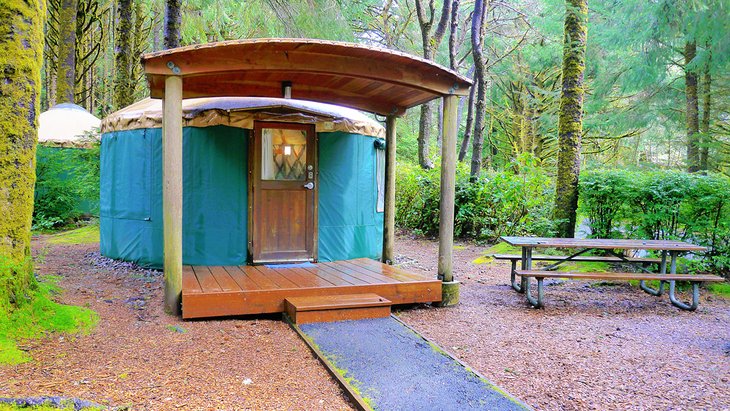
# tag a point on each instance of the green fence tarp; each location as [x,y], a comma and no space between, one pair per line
[69,167]
[215,202]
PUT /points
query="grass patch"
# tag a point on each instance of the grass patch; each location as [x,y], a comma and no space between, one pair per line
[66,406]
[38,317]
[722,289]
[585,267]
[177,329]
[85,235]
[499,248]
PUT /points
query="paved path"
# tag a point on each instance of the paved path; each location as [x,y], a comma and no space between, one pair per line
[394,368]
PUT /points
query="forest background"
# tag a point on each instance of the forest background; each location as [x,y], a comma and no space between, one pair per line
[650,156]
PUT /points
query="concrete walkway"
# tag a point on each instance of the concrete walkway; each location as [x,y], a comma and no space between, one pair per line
[394,368]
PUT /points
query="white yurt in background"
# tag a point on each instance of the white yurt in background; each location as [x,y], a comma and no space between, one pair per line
[66,125]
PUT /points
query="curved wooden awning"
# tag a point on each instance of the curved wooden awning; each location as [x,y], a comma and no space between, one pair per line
[372,79]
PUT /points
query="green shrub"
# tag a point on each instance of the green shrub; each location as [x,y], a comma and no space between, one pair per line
[661,205]
[516,201]
[603,198]
[67,185]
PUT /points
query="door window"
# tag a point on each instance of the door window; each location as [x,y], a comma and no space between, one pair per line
[284,155]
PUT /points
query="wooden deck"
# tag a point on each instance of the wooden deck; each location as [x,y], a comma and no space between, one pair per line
[213,291]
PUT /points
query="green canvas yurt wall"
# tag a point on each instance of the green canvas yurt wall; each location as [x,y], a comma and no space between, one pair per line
[214,195]
[349,224]
[215,189]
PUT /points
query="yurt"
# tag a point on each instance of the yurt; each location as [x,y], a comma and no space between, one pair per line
[66,132]
[265,180]
[67,125]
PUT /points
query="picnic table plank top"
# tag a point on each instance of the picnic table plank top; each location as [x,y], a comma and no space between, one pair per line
[545,242]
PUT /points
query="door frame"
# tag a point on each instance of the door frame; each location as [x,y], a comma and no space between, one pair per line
[254,172]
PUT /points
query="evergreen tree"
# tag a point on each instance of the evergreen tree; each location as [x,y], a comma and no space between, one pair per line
[570,121]
[21,45]
[691,109]
[477,42]
[430,44]
[66,66]
[123,81]
[173,21]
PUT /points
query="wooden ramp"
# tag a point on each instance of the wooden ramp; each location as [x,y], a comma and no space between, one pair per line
[213,291]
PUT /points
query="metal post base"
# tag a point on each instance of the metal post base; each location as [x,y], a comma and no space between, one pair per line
[515,285]
[537,303]
[657,292]
[695,296]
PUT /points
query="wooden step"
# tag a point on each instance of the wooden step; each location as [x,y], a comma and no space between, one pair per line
[328,308]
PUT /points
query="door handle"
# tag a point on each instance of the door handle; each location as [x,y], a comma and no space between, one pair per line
[309,185]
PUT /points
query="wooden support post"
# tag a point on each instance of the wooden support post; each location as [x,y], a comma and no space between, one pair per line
[450,289]
[172,198]
[389,203]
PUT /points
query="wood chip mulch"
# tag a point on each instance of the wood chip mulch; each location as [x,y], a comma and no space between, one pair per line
[592,347]
[141,357]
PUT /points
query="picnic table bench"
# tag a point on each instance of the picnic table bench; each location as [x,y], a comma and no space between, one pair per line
[582,258]
[667,248]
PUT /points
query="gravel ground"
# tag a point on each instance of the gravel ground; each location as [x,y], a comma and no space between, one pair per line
[591,348]
[140,356]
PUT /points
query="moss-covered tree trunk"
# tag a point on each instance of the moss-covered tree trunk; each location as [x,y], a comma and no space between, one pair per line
[66,68]
[468,129]
[21,45]
[529,128]
[123,80]
[430,44]
[706,116]
[692,108]
[480,73]
[173,20]
[570,120]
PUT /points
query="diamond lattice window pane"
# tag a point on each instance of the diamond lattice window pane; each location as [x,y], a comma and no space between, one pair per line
[284,155]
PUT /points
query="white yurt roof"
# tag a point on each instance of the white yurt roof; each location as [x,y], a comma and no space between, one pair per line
[66,124]
[241,112]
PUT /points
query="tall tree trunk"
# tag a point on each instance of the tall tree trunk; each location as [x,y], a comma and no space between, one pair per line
[424,136]
[430,44]
[570,121]
[66,73]
[692,109]
[477,41]
[21,45]
[439,123]
[706,115]
[532,117]
[122,64]
[453,34]
[173,20]
[468,129]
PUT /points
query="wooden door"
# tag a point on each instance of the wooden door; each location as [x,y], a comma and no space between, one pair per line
[284,193]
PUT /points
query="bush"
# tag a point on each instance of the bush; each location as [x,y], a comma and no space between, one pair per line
[67,185]
[603,197]
[513,202]
[661,205]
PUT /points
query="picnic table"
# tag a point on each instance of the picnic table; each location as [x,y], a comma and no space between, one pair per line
[668,249]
